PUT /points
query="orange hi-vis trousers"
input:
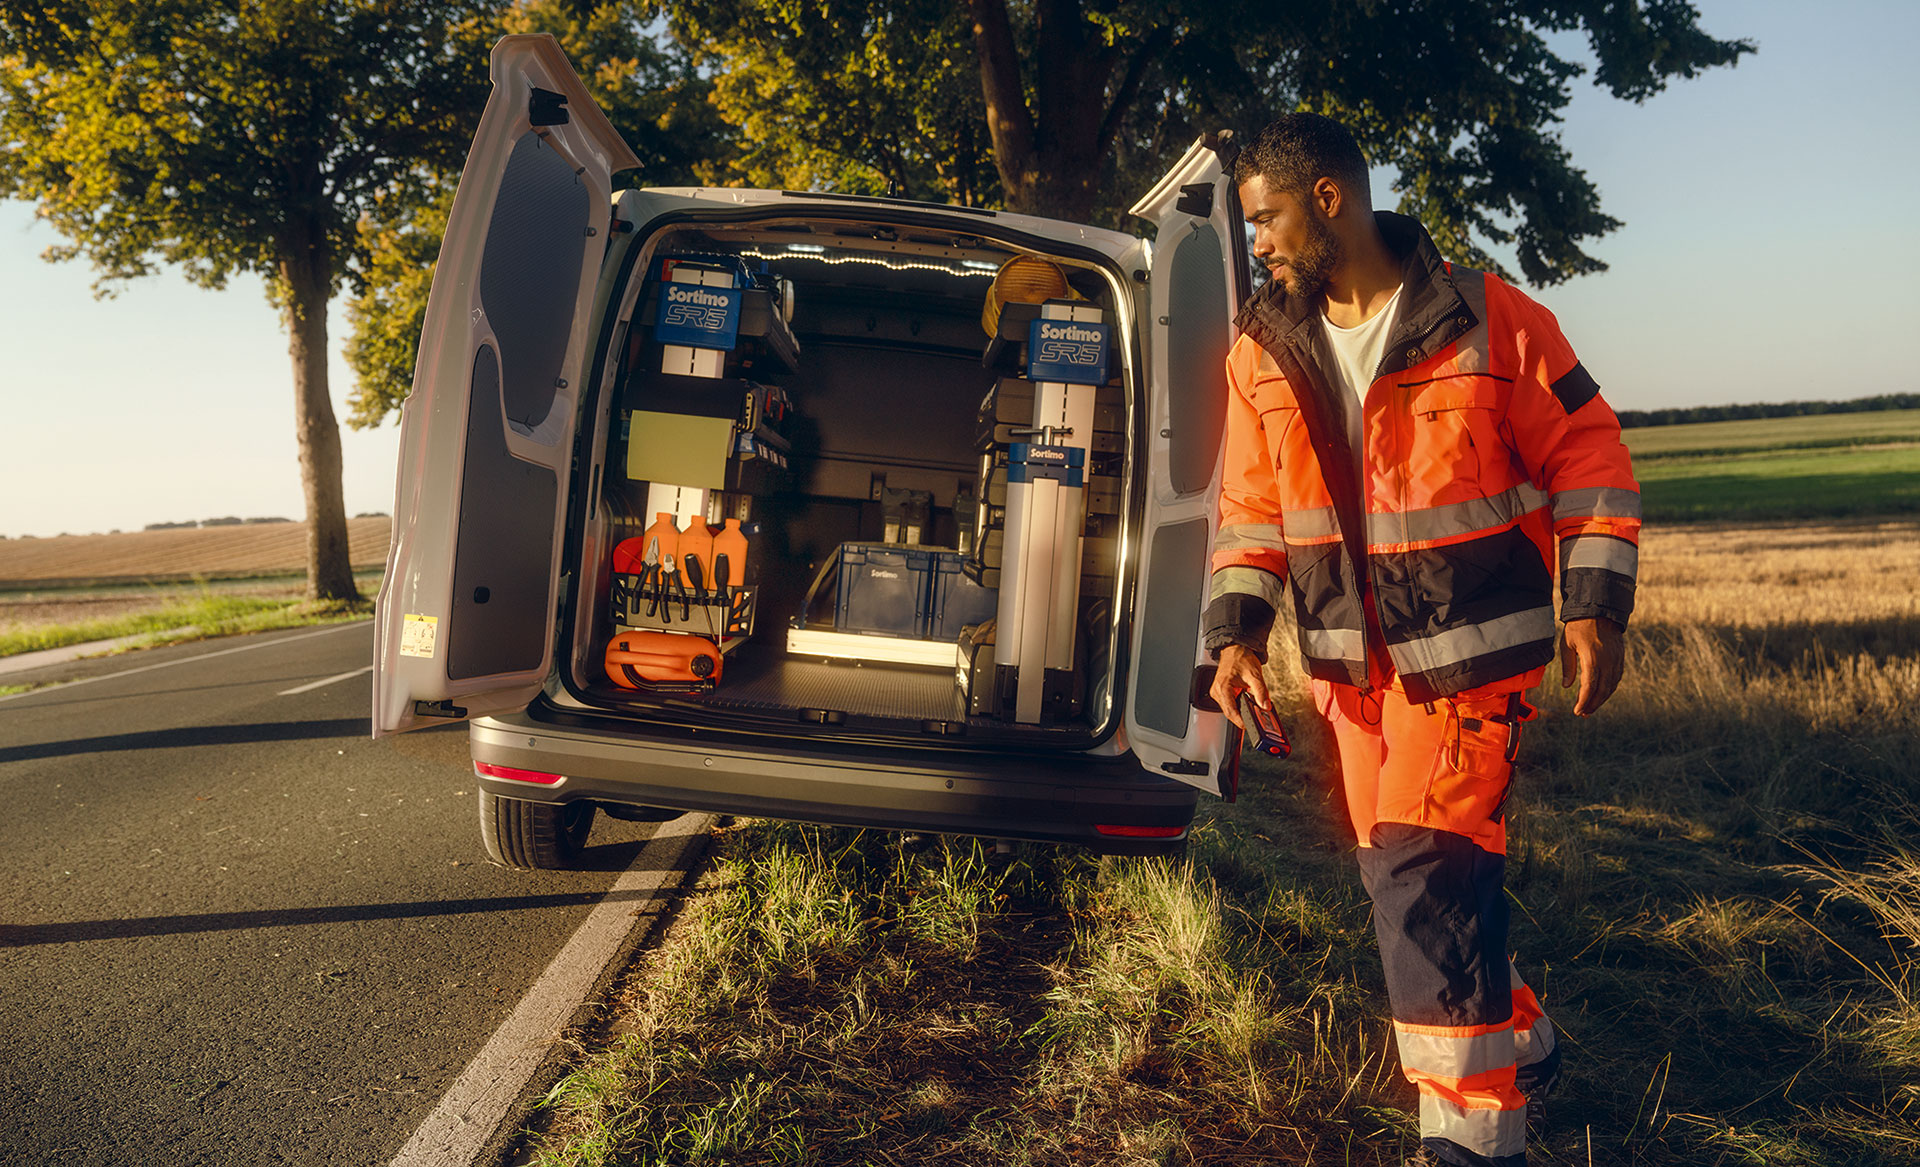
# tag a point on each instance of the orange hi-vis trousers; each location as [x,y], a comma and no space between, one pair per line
[1426,786]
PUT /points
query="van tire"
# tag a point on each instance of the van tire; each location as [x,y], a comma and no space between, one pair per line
[534,836]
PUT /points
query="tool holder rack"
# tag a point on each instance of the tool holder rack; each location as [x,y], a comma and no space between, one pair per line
[727,625]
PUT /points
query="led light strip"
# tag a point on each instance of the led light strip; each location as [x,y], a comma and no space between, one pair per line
[812,251]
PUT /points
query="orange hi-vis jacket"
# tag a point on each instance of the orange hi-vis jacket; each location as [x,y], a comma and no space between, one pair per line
[1483,440]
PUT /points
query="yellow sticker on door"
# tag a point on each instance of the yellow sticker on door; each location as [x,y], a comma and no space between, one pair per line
[418,634]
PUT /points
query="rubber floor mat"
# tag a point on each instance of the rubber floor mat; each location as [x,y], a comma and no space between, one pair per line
[870,690]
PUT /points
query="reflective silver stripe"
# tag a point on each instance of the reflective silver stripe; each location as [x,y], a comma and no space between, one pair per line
[1470,355]
[1455,518]
[1333,643]
[1249,581]
[1455,1057]
[1616,555]
[1596,502]
[1241,536]
[1311,522]
[1536,1043]
[1493,1133]
[1464,643]
[1533,1045]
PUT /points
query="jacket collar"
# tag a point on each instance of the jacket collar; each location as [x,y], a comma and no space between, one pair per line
[1432,313]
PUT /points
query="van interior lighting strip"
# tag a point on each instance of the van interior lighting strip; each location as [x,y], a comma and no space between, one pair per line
[965,268]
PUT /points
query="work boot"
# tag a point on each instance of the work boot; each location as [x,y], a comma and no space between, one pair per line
[1537,1116]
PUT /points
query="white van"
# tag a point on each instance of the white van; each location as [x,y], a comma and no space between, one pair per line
[967,597]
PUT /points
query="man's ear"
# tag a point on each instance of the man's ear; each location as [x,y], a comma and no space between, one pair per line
[1327,198]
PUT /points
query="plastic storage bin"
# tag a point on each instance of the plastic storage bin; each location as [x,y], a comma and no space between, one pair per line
[884,590]
[957,599]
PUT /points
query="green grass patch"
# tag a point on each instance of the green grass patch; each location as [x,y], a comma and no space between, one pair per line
[1716,438]
[1782,484]
[208,614]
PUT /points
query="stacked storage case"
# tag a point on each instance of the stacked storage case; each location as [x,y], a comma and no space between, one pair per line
[1047,515]
[702,435]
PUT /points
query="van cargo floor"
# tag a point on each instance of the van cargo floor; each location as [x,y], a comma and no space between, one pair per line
[869,690]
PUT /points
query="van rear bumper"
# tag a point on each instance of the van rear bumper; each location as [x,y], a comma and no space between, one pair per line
[1057,799]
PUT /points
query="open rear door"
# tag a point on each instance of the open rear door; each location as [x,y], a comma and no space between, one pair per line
[1198,282]
[465,619]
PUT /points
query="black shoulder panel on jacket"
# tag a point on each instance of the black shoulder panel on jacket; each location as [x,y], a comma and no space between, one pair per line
[1575,388]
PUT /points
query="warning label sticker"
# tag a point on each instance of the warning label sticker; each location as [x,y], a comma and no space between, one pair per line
[418,635]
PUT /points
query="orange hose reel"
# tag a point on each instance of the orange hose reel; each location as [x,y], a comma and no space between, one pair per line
[643,660]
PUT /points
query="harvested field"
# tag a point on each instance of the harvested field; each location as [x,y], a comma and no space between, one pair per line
[202,552]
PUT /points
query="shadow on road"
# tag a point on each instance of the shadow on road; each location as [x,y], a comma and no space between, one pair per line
[194,735]
[24,935]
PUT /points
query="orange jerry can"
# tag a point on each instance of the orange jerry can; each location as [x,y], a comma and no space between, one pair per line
[640,660]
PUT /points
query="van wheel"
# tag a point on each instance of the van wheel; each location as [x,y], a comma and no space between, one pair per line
[531,836]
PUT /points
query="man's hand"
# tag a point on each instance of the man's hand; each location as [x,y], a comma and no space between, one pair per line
[1239,671]
[1593,650]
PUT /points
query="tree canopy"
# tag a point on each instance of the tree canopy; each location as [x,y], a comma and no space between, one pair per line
[1072,108]
[231,136]
[1085,102]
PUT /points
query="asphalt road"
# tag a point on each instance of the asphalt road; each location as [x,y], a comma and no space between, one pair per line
[233,929]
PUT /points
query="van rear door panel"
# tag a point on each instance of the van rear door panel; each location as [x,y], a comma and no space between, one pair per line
[1198,281]
[465,619]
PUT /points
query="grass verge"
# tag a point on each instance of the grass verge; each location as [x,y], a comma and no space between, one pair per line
[206,615]
[1715,889]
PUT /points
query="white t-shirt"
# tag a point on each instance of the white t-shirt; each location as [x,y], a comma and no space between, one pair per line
[1357,350]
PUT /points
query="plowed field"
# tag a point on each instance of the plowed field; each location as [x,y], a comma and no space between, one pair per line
[256,549]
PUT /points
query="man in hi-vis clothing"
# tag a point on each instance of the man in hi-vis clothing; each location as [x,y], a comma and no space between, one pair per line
[1413,453]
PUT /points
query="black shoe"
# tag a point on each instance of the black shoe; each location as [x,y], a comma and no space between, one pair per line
[1537,1116]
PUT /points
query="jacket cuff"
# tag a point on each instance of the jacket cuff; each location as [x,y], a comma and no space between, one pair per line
[1571,612]
[1238,618]
[1586,592]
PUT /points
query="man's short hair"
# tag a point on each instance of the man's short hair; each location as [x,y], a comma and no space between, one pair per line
[1293,152]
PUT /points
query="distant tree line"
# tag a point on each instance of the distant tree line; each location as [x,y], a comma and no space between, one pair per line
[225,521]
[1631,418]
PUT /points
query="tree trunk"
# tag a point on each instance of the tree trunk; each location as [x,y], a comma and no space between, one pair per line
[329,567]
[1050,154]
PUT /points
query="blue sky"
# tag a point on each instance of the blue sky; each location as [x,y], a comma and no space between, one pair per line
[1767,253]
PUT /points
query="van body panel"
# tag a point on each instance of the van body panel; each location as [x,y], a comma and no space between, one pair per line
[464,618]
[1198,281]
[1056,799]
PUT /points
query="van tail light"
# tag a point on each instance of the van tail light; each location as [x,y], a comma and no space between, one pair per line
[537,777]
[1126,832]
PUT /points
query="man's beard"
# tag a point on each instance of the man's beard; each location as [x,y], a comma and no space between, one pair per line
[1309,268]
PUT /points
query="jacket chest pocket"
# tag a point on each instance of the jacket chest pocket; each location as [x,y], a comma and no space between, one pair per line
[1453,437]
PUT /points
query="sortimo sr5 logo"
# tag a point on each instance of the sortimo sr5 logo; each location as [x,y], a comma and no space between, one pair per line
[1092,354]
[695,316]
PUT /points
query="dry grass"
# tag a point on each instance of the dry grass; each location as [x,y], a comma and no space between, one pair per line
[1715,884]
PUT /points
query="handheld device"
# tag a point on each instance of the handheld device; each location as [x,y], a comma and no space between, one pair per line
[1263,728]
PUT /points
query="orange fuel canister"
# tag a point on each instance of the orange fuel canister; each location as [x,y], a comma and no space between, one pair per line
[640,660]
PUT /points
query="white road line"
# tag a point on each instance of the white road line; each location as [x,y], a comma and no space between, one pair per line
[185,660]
[485,1093]
[312,685]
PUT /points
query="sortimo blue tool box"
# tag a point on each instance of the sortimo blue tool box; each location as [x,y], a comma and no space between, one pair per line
[887,589]
[884,589]
[957,600]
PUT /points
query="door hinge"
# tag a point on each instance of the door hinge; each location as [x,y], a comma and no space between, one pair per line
[438,709]
[1187,766]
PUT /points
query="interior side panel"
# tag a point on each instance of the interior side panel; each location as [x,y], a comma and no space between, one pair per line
[501,570]
[1175,578]
[1196,357]
[530,271]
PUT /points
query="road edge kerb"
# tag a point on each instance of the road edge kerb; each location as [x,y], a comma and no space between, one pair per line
[468,1121]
